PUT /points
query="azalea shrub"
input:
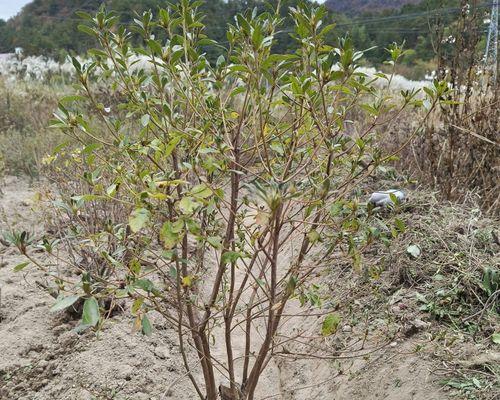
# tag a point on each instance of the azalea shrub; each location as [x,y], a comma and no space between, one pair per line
[205,192]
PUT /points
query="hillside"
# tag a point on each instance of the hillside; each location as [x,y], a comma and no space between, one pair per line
[49,27]
[357,6]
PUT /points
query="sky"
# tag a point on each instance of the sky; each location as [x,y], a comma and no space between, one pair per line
[9,8]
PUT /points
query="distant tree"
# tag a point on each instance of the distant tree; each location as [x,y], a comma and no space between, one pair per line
[49,27]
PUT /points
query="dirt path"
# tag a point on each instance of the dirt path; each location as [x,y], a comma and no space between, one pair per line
[43,359]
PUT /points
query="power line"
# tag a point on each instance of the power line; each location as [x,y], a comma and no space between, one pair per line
[353,23]
[448,10]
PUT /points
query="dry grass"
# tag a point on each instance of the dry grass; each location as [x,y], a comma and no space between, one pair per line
[458,245]
[24,135]
[446,286]
[457,152]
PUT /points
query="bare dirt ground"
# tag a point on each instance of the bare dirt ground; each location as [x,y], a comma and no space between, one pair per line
[42,358]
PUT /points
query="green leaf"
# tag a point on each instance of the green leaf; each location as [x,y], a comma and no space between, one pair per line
[278,148]
[169,235]
[63,303]
[83,15]
[155,46]
[80,328]
[171,146]
[201,191]
[313,236]
[400,225]
[20,267]
[111,190]
[90,312]
[230,257]
[291,285]
[413,250]
[144,284]
[71,99]
[215,241]
[188,205]
[87,29]
[138,219]
[86,197]
[336,209]
[146,325]
[495,338]
[145,120]
[136,305]
[330,324]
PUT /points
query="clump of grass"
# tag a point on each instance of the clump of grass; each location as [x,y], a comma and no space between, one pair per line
[450,252]
[458,151]
[24,134]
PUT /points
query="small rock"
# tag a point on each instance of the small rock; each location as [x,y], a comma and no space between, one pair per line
[419,324]
[20,387]
[126,372]
[43,364]
[162,352]
[396,310]
[480,360]
[347,328]
[394,344]
[67,338]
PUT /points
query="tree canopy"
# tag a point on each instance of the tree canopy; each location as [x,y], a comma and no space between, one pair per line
[50,27]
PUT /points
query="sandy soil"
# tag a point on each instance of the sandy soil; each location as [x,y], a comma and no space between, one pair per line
[42,358]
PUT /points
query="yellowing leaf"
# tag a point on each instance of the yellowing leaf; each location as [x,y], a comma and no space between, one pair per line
[313,236]
[266,130]
[175,182]
[137,324]
[162,184]
[136,305]
[158,196]
[170,235]
[262,218]
[138,219]
[330,324]
[187,281]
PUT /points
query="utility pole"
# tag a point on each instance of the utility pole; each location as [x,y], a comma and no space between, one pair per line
[491,54]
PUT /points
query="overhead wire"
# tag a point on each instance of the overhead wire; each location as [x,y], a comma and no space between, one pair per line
[448,10]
